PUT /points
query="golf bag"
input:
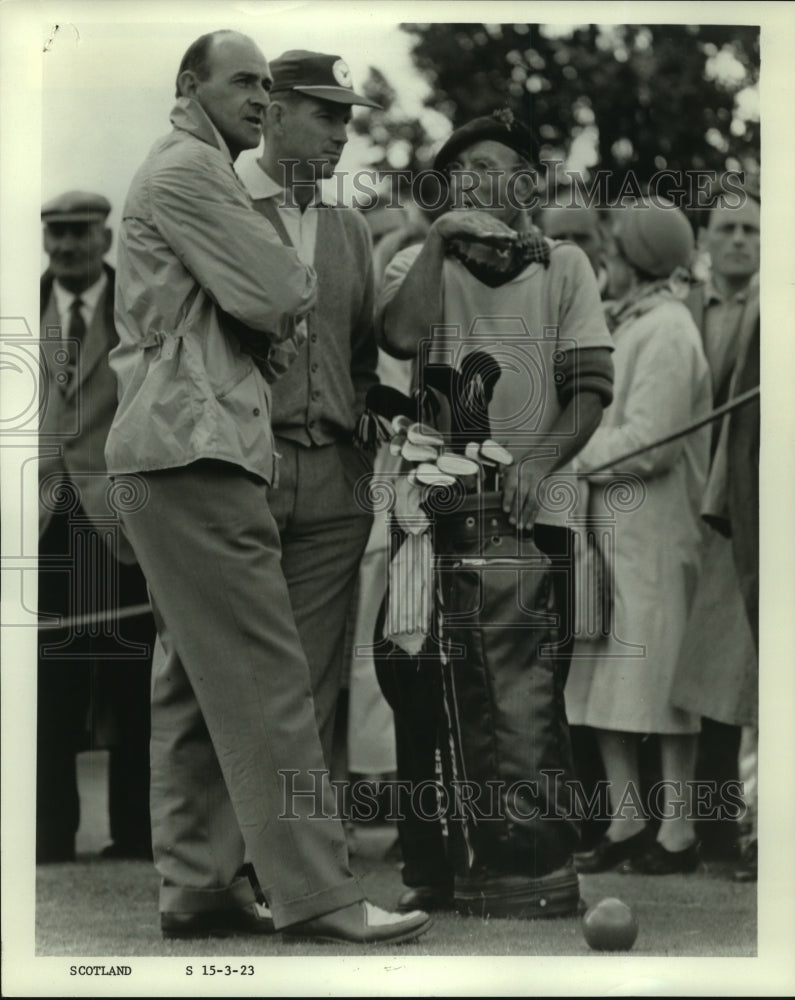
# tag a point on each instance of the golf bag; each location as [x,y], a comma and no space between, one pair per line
[485,699]
[485,689]
[507,763]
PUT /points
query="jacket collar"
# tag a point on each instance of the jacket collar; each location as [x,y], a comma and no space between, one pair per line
[89,297]
[189,116]
[101,334]
[713,296]
[47,281]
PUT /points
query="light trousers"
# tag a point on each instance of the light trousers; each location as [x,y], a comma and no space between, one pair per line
[237,768]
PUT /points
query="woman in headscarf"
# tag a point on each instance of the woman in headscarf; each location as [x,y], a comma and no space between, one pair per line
[645,511]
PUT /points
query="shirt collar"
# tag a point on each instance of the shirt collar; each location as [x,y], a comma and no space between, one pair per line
[714,297]
[260,184]
[89,297]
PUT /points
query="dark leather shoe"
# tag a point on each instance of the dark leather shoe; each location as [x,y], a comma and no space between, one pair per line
[556,894]
[656,860]
[253,918]
[55,857]
[747,869]
[609,853]
[362,923]
[425,897]
[121,851]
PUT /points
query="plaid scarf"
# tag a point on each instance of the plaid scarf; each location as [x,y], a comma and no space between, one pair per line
[496,262]
[644,298]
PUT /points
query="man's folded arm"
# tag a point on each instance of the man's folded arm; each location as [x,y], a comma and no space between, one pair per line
[231,250]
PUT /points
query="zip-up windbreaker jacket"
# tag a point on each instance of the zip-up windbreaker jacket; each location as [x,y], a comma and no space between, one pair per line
[194,261]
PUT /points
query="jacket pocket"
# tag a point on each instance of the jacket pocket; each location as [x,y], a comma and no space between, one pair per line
[230,384]
[244,398]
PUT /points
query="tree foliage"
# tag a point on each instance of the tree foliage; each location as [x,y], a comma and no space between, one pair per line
[639,97]
[398,140]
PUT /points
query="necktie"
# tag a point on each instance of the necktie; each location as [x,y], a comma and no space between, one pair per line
[77,331]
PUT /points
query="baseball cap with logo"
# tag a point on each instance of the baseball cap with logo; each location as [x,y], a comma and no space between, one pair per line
[316,75]
[76,206]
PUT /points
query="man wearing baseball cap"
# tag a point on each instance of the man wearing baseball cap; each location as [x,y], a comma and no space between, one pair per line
[316,404]
[316,74]
[91,691]
[485,280]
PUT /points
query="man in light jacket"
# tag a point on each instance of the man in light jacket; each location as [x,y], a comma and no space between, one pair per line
[206,306]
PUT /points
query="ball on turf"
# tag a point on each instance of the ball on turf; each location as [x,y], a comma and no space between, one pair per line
[610,925]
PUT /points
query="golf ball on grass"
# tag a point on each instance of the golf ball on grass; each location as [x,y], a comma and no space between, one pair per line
[610,925]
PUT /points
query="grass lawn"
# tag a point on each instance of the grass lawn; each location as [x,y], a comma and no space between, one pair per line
[109,908]
[102,911]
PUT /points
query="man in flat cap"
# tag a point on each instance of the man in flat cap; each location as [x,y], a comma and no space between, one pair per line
[209,309]
[484,280]
[93,676]
[316,404]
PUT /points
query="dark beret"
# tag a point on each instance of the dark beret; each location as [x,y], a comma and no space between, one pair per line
[500,126]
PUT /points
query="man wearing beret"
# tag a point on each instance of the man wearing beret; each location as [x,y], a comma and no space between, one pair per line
[484,280]
[317,402]
[209,308]
[93,677]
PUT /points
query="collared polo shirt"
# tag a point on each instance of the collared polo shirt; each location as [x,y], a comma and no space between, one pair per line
[301,226]
[318,400]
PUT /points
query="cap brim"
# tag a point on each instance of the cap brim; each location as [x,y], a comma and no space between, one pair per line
[74,217]
[340,95]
